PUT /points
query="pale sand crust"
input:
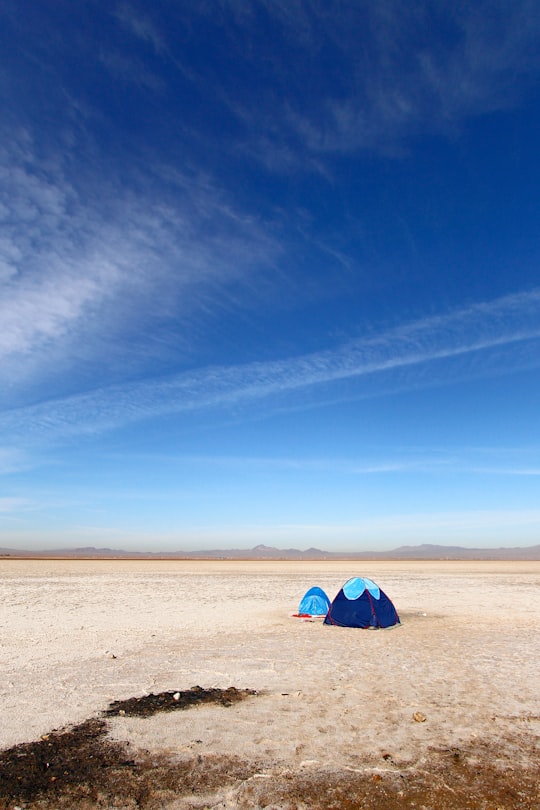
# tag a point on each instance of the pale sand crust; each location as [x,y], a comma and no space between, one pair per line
[77,635]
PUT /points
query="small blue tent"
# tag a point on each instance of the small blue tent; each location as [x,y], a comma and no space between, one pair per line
[314,603]
[361,603]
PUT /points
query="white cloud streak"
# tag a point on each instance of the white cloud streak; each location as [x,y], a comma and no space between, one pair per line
[501,325]
[517,471]
[405,69]
[12,460]
[399,527]
[477,528]
[467,528]
[8,505]
[80,266]
[141,26]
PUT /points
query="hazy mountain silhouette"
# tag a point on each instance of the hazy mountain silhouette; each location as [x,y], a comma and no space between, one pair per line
[425,551]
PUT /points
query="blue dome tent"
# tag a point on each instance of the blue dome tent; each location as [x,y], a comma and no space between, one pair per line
[361,603]
[314,603]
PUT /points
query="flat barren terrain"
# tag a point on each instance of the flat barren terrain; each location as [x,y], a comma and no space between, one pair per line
[442,711]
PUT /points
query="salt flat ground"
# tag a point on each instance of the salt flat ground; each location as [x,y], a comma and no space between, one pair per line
[76,635]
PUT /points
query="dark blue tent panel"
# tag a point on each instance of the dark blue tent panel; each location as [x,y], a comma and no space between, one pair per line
[314,603]
[361,603]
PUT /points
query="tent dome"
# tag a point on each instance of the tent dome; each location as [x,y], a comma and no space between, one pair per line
[314,603]
[361,603]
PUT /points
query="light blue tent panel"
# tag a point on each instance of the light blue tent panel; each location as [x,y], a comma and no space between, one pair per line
[314,603]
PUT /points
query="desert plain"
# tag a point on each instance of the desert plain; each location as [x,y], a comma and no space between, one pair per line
[442,711]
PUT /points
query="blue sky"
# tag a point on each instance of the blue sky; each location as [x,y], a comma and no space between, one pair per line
[269,274]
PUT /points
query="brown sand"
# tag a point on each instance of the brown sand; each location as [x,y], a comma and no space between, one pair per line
[335,707]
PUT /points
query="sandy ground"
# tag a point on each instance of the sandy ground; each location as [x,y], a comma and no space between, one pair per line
[77,635]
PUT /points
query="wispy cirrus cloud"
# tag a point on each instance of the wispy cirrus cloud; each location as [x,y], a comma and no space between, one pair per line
[477,528]
[81,264]
[8,505]
[140,25]
[369,76]
[370,461]
[499,335]
[12,460]
[467,528]
[309,465]
[514,471]
[425,68]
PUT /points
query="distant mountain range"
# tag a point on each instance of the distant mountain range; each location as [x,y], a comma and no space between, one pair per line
[426,551]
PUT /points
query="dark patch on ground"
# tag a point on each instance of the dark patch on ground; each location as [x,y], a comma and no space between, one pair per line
[82,769]
[440,788]
[151,704]
[59,761]
[451,780]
